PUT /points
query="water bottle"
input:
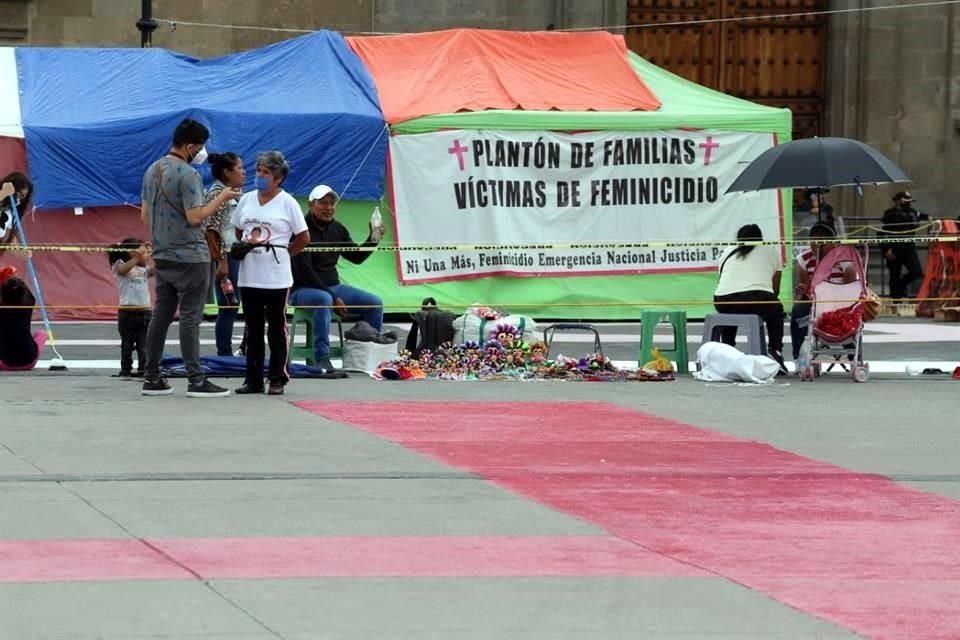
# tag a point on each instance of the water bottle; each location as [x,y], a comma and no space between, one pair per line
[376,224]
[228,292]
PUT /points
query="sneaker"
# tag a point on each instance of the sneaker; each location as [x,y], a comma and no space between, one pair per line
[125,374]
[326,365]
[247,389]
[776,355]
[159,387]
[206,389]
[275,390]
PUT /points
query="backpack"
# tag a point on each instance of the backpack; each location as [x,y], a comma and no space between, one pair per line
[431,328]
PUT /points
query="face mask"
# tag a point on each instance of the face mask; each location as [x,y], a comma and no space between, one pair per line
[201,156]
[261,183]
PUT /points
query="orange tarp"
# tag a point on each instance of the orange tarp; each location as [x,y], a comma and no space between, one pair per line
[472,70]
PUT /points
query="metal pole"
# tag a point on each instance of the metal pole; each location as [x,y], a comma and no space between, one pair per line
[57,365]
[146,24]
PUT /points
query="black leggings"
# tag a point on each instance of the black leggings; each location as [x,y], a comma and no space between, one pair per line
[132,325]
[905,258]
[268,305]
[760,303]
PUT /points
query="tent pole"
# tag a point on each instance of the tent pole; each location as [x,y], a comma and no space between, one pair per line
[146,24]
[57,364]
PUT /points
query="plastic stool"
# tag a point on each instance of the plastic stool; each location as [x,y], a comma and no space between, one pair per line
[648,324]
[572,326]
[749,323]
[307,352]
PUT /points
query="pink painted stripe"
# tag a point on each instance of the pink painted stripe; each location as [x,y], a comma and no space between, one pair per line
[427,556]
[826,540]
[419,557]
[68,560]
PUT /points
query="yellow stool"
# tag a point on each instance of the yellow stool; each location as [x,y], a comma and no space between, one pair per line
[648,324]
[307,351]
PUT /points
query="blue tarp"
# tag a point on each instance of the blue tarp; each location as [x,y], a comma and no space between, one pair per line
[236,367]
[94,119]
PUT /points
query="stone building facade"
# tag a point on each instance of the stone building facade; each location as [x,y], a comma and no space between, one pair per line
[894,80]
[893,77]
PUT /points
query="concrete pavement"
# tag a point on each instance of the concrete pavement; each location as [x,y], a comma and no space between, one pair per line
[86,459]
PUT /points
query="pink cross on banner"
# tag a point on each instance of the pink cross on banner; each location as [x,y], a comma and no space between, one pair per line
[708,146]
[458,149]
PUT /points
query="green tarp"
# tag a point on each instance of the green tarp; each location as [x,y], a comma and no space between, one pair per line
[685,105]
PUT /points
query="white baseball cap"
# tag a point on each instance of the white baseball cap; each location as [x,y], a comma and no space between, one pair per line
[320,191]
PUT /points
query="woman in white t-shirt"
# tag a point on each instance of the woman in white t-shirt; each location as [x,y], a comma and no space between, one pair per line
[270,219]
[750,283]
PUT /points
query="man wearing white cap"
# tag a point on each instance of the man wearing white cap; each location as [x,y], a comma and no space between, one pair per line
[316,282]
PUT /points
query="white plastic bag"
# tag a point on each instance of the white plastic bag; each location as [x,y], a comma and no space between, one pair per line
[470,326]
[365,356]
[722,363]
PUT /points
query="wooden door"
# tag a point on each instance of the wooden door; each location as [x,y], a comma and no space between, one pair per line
[774,61]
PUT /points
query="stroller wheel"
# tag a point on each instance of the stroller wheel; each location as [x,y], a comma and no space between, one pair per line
[860,373]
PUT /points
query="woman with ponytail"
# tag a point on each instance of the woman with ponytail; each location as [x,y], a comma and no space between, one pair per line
[750,284]
[228,173]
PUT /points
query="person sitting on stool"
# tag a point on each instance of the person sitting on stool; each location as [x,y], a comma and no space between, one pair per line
[750,284]
[804,267]
[316,282]
[19,348]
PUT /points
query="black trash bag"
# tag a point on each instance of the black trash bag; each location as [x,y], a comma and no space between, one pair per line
[362,331]
[387,337]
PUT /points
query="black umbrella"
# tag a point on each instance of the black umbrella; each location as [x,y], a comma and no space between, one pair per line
[818,163]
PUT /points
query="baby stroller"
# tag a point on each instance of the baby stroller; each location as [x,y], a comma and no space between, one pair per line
[835,329]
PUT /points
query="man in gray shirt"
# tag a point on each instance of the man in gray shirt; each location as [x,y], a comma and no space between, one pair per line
[173,208]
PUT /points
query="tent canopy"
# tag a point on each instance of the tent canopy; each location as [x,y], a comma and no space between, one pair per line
[684,104]
[94,119]
[474,70]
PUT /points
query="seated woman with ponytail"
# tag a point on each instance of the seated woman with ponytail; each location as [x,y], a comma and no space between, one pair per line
[750,284]
[19,348]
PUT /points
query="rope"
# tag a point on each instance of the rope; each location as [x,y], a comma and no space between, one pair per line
[362,162]
[466,246]
[677,23]
[186,23]
[623,27]
[527,305]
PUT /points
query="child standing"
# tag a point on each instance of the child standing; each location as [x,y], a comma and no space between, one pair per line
[130,262]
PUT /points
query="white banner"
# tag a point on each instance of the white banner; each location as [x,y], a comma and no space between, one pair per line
[543,188]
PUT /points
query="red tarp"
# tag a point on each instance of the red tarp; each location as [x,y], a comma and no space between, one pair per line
[472,70]
[77,286]
[74,285]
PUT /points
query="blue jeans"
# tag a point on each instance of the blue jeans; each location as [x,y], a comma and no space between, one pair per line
[223,330]
[372,310]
